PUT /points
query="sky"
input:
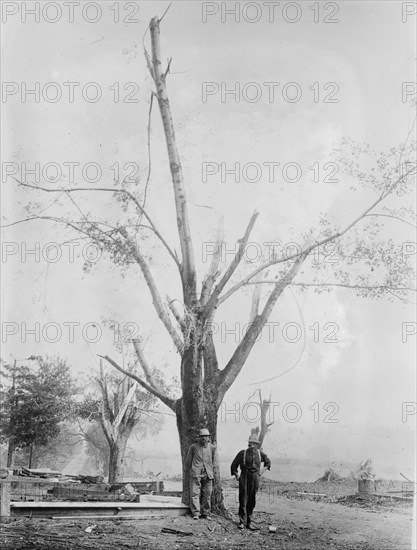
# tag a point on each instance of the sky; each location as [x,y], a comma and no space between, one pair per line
[346,357]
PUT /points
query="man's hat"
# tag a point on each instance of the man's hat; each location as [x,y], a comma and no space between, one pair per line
[254,439]
[203,431]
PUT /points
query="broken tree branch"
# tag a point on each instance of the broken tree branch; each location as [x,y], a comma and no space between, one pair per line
[213,272]
[310,248]
[156,298]
[236,362]
[110,190]
[168,401]
[188,273]
[212,301]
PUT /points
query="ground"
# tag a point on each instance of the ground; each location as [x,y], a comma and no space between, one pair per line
[303,521]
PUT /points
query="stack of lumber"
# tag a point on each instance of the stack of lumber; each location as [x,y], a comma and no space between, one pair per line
[99,492]
[43,473]
[142,486]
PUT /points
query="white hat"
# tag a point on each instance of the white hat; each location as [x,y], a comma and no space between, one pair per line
[203,431]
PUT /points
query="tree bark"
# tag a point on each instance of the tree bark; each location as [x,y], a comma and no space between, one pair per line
[198,408]
[30,456]
[188,274]
[10,453]
[187,436]
[117,459]
[261,431]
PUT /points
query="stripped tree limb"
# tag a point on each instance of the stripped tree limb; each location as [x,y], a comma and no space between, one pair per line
[126,402]
[342,285]
[236,362]
[212,301]
[149,131]
[156,298]
[188,273]
[179,318]
[168,401]
[393,217]
[264,404]
[309,249]
[144,364]
[213,271]
[110,190]
[256,297]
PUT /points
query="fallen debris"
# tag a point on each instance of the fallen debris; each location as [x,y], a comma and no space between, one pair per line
[168,530]
[329,475]
[142,517]
[43,473]
[312,494]
[366,470]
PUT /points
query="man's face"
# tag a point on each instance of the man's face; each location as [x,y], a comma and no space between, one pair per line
[204,439]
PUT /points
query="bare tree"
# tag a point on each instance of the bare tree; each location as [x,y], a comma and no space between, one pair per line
[264,404]
[122,406]
[368,265]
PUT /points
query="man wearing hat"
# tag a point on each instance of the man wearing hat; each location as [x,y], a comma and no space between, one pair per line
[249,462]
[200,462]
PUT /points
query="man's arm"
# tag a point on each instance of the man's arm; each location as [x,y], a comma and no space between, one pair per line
[236,463]
[265,460]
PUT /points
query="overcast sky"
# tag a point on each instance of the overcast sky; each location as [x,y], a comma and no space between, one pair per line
[360,62]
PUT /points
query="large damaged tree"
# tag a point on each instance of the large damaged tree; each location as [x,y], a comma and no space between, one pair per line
[204,382]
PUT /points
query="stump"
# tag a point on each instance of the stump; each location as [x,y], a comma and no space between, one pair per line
[366,486]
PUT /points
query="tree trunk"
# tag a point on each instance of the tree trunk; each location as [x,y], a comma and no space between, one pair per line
[366,486]
[187,437]
[10,453]
[197,409]
[117,459]
[30,456]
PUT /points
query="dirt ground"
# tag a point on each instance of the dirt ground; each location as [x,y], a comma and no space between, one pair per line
[307,516]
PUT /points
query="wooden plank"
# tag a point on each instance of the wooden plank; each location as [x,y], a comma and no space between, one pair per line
[156,486]
[118,516]
[313,494]
[374,496]
[121,505]
[94,509]
[4,500]
[41,471]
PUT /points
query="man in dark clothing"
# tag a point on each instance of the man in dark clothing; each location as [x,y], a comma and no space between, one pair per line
[249,462]
[200,462]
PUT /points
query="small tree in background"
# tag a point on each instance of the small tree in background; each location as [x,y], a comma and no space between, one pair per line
[37,397]
[120,408]
[264,404]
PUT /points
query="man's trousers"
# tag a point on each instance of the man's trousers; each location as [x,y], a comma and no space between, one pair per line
[201,488]
[248,487]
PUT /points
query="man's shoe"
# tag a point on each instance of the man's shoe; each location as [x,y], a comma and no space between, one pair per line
[195,517]
[205,516]
[241,526]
